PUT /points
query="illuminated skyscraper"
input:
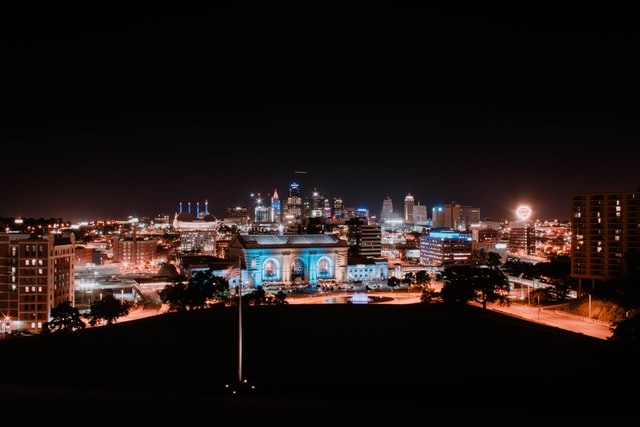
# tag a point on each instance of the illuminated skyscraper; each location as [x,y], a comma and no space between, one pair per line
[317,204]
[409,202]
[276,209]
[293,211]
[420,214]
[387,209]
[338,208]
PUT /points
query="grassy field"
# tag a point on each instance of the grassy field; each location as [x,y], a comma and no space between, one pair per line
[318,364]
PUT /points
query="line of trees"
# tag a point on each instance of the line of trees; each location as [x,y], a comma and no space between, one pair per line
[67,318]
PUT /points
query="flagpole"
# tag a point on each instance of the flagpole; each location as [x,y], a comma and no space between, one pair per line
[240,321]
[242,385]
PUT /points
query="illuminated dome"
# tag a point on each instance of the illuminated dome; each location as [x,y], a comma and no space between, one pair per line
[187,221]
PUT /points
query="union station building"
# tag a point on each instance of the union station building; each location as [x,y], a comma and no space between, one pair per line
[294,259]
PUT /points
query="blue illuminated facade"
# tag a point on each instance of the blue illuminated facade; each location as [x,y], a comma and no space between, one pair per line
[294,259]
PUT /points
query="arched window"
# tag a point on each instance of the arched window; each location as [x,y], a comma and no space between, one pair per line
[324,268]
[270,270]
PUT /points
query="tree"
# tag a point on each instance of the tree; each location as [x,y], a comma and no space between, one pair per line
[429,295]
[457,285]
[422,277]
[260,297]
[494,260]
[478,257]
[626,332]
[257,297]
[280,298]
[64,318]
[108,309]
[174,295]
[482,258]
[196,292]
[491,284]
[393,282]
[408,278]
[464,283]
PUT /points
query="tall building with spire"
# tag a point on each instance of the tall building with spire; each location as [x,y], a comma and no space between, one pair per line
[276,208]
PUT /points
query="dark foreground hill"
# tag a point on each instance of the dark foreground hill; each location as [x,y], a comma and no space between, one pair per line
[320,364]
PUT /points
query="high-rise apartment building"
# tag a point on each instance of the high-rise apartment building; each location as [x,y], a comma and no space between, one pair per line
[605,237]
[36,275]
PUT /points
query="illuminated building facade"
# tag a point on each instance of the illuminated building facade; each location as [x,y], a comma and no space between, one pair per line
[36,275]
[522,238]
[291,259]
[293,212]
[197,232]
[364,239]
[135,253]
[387,210]
[337,208]
[409,202]
[420,214]
[276,208]
[489,239]
[442,247]
[454,216]
[604,235]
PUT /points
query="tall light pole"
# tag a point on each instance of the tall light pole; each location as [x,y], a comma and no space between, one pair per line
[589,306]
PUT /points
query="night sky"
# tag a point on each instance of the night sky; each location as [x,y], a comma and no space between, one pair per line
[105,117]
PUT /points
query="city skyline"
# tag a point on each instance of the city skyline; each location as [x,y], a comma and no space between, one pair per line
[132,117]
